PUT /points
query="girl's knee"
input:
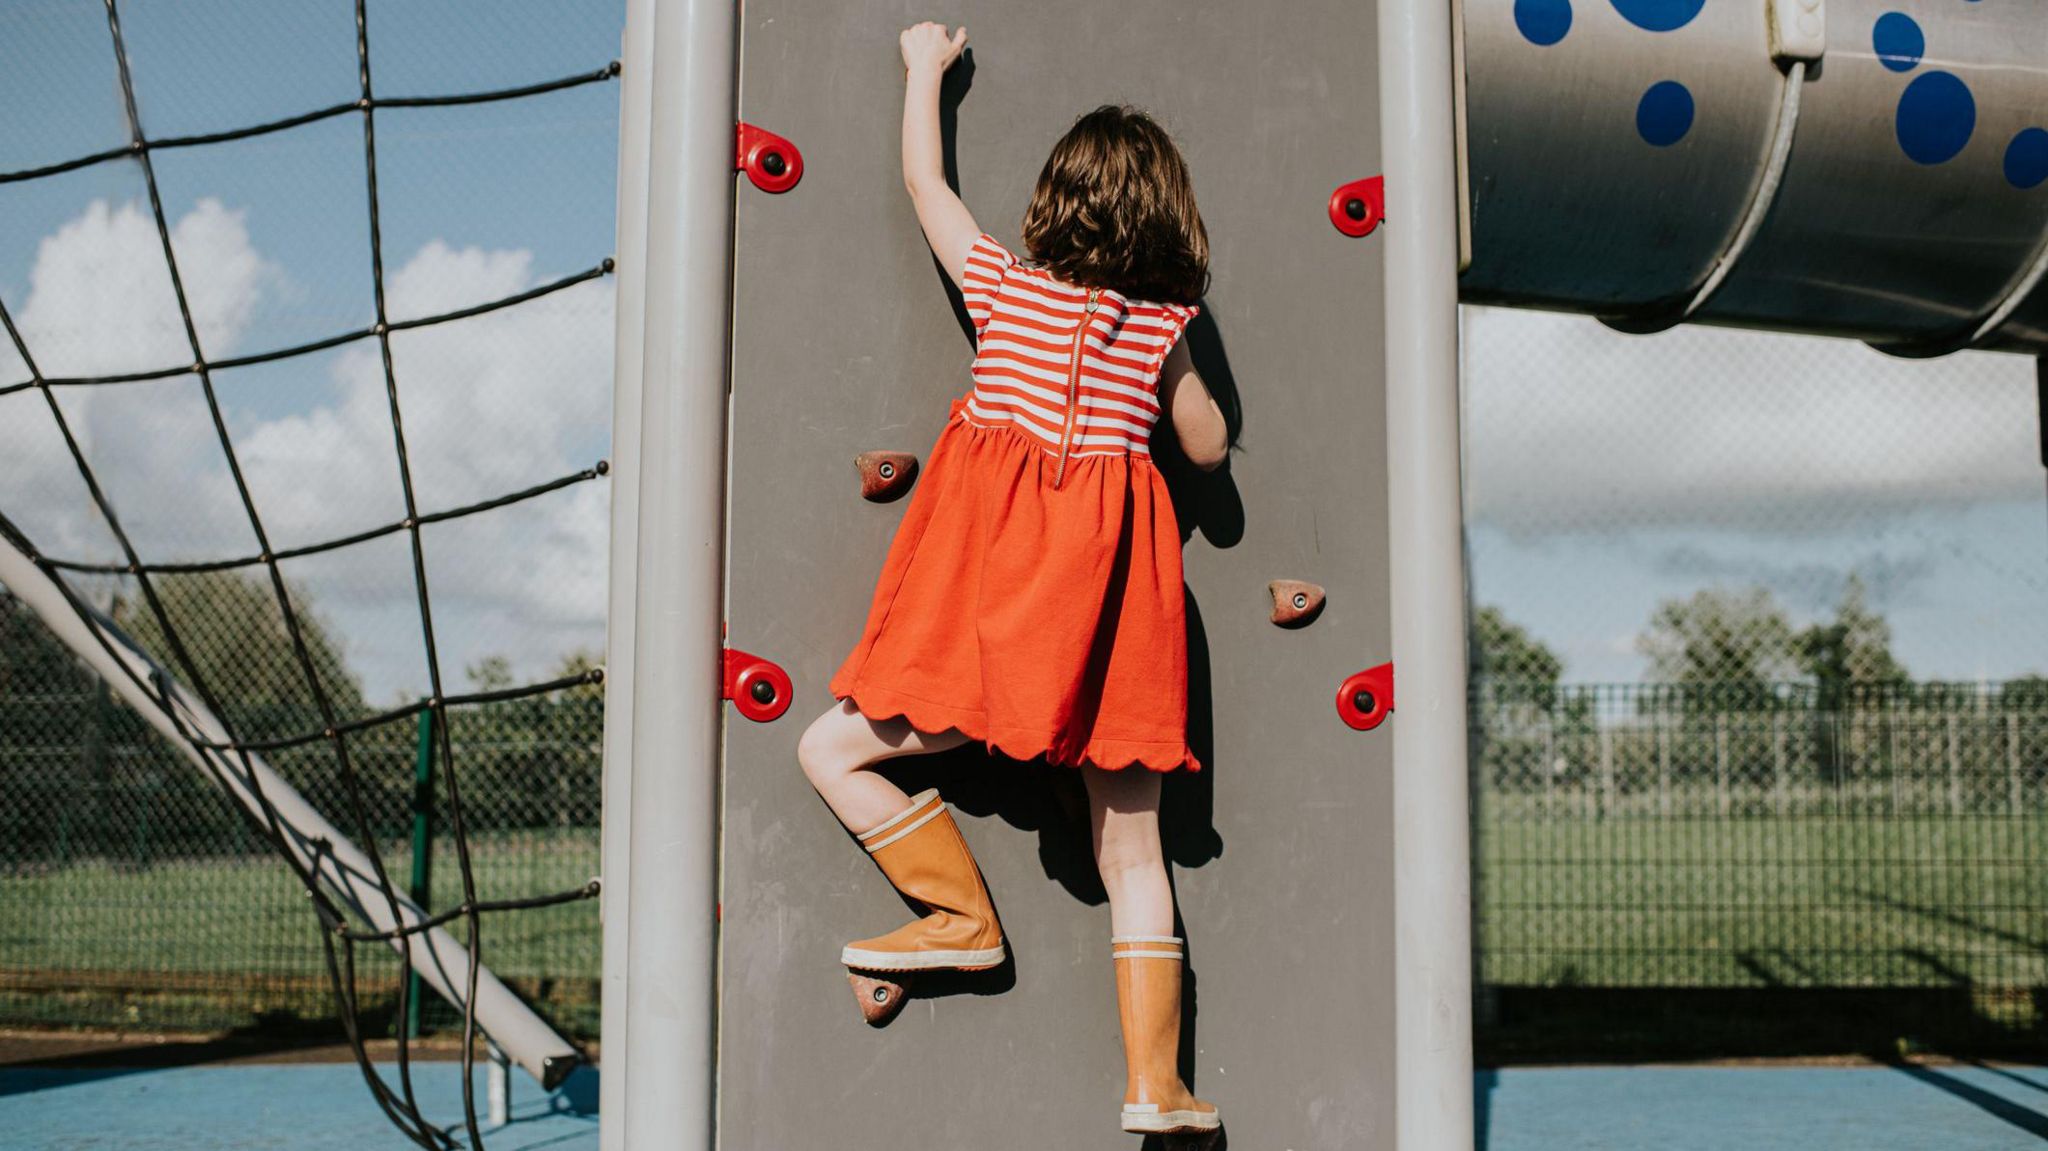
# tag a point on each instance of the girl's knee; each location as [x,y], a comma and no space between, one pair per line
[820,754]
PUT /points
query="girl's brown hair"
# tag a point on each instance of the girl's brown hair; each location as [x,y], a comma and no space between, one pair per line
[1114,208]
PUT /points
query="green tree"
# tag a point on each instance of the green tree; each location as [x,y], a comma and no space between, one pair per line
[582,661]
[230,627]
[1736,643]
[491,673]
[1853,650]
[2029,691]
[32,662]
[1503,650]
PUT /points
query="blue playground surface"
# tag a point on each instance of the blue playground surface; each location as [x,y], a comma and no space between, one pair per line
[324,1107]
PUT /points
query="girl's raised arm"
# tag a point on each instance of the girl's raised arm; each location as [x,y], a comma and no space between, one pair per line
[948,226]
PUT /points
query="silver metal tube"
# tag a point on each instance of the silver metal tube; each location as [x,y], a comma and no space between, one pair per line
[636,57]
[312,840]
[498,1087]
[673,554]
[1614,158]
[1432,880]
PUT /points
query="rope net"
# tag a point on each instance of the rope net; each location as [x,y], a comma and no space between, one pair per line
[335,729]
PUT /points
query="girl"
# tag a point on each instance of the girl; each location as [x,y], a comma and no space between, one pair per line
[1031,600]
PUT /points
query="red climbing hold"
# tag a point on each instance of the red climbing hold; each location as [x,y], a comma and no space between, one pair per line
[771,162]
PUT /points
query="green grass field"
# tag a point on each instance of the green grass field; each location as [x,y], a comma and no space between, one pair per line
[1696,904]
[221,943]
[1765,902]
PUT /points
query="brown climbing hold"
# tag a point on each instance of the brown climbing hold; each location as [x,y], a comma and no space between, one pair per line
[1295,602]
[879,999]
[885,475]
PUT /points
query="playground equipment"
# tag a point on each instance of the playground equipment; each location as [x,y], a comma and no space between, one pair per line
[1651,161]
[181,703]
[1317,859]
[315,847]
[1648,161]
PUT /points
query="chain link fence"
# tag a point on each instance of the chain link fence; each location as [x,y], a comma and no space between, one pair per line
[1713,870]
[1657,869]
[134,895]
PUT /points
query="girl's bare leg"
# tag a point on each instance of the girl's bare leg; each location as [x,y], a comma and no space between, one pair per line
[840,746]
[1123,808]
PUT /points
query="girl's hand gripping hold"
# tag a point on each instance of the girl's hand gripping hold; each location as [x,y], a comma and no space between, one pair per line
[928,47]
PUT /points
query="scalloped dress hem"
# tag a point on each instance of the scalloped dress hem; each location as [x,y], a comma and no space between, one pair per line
[880,704]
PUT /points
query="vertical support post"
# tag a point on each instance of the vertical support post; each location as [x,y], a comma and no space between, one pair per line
[1425,527]
[1663,763]
[664,712]
[497,1086]
[2012,763]
[1721,764]
[1955,776]
[636,87]
[1548,768]
[1891,757]
[1778,793]
[420,887]
[1606,768]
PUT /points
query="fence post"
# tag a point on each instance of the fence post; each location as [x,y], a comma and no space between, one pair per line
[1955,781]
[1663,762]
[99,778]
[422,853]
[1891,754]
[1778,760]
[1721,763]
[1839,757]
[1549,760]
[1606,769]
[2012,762]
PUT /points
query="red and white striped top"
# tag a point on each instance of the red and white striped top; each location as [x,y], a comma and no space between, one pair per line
[1036,370]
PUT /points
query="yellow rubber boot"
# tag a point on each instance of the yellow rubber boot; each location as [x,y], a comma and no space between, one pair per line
[1148,979]
[921,851]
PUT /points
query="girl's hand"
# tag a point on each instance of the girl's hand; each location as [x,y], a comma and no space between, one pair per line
[927,47]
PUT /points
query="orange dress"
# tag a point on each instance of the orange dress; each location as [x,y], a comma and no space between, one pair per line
[1032,595]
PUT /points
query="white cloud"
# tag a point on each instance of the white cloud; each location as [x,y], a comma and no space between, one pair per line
[491,404]
[1571,426]
[100,302]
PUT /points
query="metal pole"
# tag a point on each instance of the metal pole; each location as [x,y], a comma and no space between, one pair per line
[420,887]
[636,85]
[667,571]
[1425,540]
[312,840]
[497,1086]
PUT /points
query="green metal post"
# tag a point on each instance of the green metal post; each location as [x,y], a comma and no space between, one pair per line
[422,848]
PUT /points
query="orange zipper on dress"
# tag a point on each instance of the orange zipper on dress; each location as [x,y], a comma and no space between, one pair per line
[1059,475]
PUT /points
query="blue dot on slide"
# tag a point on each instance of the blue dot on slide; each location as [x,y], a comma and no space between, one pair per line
[1543,22]
[1664,115]
[1937,116]
[1659,15]
[1899,41]
[2026,159]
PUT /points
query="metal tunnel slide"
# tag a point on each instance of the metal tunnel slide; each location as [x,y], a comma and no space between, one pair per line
[1875,169]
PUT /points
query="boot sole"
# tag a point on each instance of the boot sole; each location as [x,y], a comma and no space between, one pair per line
[1170,1122]
[980,959]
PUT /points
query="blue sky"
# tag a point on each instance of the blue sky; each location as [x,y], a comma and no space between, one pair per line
[1604,472]
[476,202]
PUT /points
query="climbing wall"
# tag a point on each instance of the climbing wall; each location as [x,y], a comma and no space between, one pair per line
[847,339]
